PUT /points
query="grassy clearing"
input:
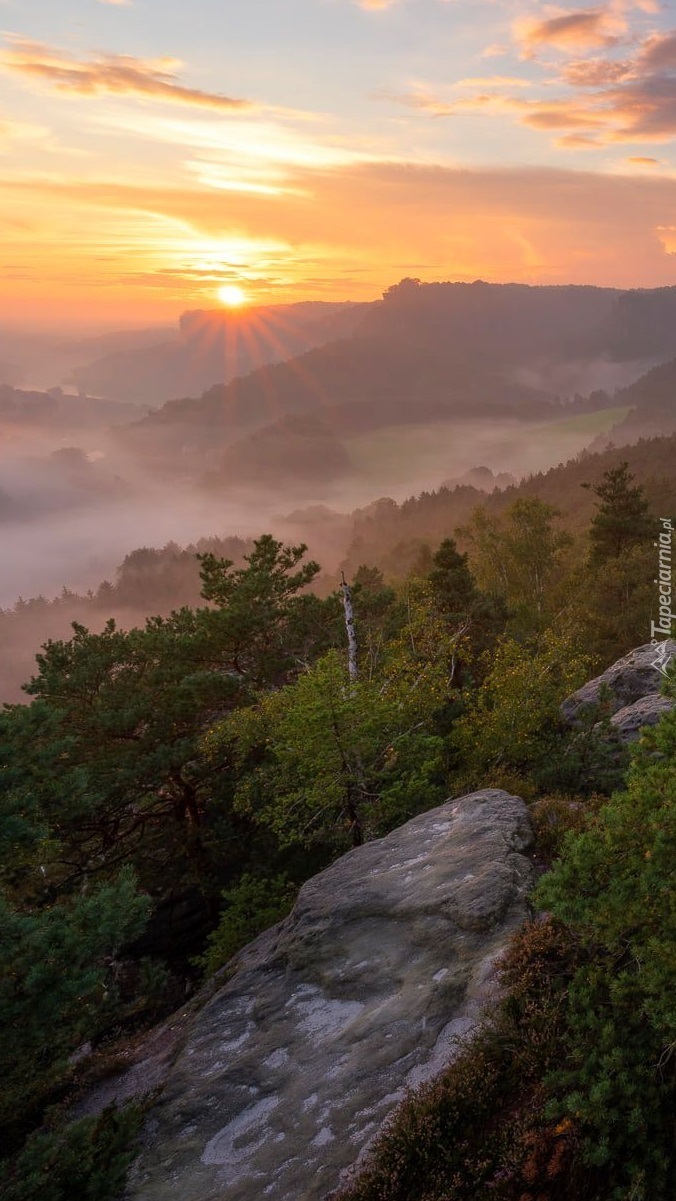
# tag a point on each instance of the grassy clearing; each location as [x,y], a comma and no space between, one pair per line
[428,454]
[587,423]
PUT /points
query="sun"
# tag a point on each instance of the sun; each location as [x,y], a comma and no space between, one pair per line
[232,296]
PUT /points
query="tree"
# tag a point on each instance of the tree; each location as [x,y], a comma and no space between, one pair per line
[324,758]
[106,758]
[56,987]
[519,557]
[613,596]
[622,519]
[257,604]
[613,886]
[513,726]
[452,582]
[464,607]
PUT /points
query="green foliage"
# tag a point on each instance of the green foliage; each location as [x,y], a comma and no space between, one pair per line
[82,1161]
[250,906]
[613,602]
[482,616]
[56,986]
[451,580]
[622,519]
[554,816]
[513,724]
[316,759]
[613,886]
[106,759]
[255,603]
[519,557]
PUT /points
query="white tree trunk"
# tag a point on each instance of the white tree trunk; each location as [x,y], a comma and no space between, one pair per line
[352,664]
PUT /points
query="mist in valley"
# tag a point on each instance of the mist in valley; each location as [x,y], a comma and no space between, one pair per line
[336,407]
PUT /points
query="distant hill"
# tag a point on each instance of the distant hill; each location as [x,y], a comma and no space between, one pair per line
[212,347]
[391,535]
[477,349]
[55,410]
[653,407]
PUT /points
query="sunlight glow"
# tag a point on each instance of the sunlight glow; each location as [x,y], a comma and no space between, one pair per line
[232,296]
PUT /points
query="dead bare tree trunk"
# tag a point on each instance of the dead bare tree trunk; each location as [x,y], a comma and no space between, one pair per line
[355,780]
[352,664]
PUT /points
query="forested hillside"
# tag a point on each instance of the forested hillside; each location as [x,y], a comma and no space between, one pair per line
[168,788]
[396,538]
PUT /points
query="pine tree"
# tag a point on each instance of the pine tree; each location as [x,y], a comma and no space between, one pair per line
[622,517]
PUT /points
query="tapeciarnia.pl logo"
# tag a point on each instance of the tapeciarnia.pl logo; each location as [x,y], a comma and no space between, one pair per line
[660,631]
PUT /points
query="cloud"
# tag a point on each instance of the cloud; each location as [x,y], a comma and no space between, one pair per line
[578,141]
[495,50]
[658,53]
[537,114]
[375,5]
[642,160]
[492,81]
[594,72]
[344,235]
[588,27]
[562,115]
[645,108]
[120,3]
[119,74]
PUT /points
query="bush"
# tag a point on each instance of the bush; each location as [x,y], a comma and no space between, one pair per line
[83,1161]
[251,906]
[614,886]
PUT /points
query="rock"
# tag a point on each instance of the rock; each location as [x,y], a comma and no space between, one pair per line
[368,987]
[645,712]
[631,678]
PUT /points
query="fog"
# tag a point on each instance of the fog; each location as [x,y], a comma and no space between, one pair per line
[70,510]
[385,410]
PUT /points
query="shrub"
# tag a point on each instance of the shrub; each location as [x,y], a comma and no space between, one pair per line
[252,905]
[83,1161]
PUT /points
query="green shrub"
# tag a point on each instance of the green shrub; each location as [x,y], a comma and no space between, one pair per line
[614,886]
[83,1161]
[252,905]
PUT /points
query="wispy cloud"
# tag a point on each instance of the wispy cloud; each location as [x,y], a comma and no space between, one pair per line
[376,5]
[119,74]
[578,141]
[583,29]
[550,114]
[508,224]
[594,72]
[636,96]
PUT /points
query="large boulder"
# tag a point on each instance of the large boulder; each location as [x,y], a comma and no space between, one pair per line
[647,711]
[637,675]
[369,986]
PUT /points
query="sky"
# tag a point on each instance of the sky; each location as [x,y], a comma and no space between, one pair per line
[154,151]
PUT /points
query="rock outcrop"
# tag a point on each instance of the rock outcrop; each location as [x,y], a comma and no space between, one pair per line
[383,967]
[632,690]
[647,711]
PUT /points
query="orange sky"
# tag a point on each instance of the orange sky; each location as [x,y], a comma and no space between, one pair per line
[326,155]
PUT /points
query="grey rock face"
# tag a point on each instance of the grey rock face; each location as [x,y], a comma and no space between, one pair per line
[629,679]
[368,987]
[646,712]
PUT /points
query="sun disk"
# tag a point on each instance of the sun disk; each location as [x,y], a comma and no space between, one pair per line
[232,296]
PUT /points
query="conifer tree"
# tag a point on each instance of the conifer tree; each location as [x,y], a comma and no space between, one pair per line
[622,517]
